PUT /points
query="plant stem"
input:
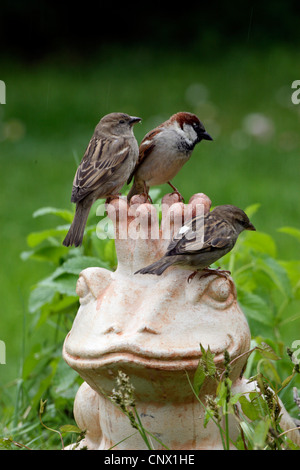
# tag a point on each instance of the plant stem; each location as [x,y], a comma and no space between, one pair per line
[204,407]
[142,430]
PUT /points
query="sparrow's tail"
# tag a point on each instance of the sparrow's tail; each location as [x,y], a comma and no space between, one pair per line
[158,267]
[136,188]
[76,231]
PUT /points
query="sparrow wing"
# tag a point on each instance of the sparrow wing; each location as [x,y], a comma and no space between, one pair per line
[145,149]
[217,234]
[101,159]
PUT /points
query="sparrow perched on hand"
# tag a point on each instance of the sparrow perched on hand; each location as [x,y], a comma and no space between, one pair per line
[109,159]
[164,150]
[219,229]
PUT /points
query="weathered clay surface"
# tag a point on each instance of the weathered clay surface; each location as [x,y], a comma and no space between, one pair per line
[151,328]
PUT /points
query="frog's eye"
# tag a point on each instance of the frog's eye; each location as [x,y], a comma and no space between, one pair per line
[83,291]
[91,283]
[219,293]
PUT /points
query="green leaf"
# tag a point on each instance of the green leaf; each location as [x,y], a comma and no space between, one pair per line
[268,352]
[6,443]
[44,384]
[235,398]
[294,232]
[277,273]
[223,392]
[64,284]
[42,406]
[261,242]
[39,297]
[269,370]
[260,433]
[249,409]
[199,377]
[35,238]
[254,307]
[79,263]
[248,430]
[51,254]
[293,271]
[287,380]
[70,428]
[62,213]
[208,359]
[252,209]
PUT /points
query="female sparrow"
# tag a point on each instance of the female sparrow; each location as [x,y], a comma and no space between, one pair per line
[191,249]
[164,150]
[109,159]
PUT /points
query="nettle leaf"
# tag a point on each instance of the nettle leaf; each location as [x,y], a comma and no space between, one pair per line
[79,263]
[50,254]
[276,273]
[36,238]
[255,307]
[292,269]
[261,242]
[62,213]
[40,296]
[64,284]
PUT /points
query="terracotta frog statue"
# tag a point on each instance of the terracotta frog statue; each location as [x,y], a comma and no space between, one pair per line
[150,328]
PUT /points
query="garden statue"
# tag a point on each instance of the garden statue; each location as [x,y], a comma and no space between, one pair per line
[150,328]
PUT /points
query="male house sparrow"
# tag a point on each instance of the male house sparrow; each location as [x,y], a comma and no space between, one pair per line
[164,150]
[221,228]
[109,159]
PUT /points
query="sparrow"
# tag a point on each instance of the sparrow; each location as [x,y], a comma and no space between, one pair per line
[164,150]
[202,241]
[109,159]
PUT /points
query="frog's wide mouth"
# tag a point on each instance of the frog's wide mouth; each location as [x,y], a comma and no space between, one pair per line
[135,355]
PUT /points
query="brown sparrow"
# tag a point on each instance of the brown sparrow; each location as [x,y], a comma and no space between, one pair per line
[164,150]
[108,161]
[189,250]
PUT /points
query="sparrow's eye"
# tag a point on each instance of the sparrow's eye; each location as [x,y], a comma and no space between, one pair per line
[242,222]
[122,121]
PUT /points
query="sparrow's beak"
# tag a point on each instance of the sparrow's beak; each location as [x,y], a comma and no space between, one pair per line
[205,136]
[251,227]
[134,119]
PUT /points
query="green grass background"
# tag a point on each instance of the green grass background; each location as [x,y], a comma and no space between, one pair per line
[52,107]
